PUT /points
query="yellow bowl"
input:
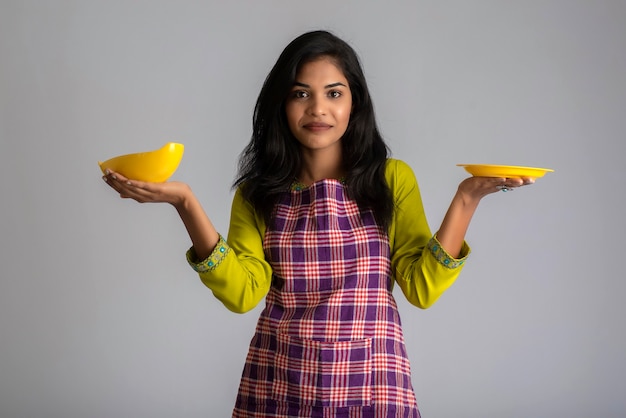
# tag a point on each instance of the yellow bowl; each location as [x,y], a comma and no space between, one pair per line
[153,166]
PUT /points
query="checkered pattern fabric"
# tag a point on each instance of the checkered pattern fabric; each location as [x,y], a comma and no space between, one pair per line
[329,341]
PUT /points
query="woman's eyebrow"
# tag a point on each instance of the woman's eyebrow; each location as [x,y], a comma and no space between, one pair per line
[329,86]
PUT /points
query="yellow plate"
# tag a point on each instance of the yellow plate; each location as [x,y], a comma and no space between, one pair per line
[153,166]
[508,171]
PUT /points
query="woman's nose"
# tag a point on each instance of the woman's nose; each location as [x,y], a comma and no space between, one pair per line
[316,106]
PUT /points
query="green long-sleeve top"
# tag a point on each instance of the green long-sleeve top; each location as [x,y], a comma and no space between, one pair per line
[239,275]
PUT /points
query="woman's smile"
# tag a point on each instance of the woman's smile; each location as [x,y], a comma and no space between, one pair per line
[317,126]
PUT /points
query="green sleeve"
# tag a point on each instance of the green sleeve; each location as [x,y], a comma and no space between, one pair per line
[237,272]
[420,266]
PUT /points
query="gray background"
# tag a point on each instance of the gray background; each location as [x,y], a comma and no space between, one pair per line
[101,317]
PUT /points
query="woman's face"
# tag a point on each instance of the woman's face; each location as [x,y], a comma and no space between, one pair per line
[319,105]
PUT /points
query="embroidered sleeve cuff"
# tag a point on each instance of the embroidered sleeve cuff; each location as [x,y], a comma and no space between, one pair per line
[443,257]
[212,261]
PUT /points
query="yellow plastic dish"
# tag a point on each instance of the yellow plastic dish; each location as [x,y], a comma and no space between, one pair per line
[153,166]
[508,171]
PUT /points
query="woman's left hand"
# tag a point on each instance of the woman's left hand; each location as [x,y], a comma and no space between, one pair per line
[454,226]
[475,188]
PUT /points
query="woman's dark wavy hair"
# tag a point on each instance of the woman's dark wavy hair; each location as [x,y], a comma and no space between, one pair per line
[272,160]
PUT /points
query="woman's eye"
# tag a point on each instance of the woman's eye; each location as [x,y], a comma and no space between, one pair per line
[300,94]
[334,94]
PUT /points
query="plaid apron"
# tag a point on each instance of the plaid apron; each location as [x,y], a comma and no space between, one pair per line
[329,341]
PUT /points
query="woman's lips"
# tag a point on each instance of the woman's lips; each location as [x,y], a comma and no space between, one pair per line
[317,126]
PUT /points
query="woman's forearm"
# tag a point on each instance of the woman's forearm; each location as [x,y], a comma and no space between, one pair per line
[204,236]
[469,193]
[199,227]
[451,234]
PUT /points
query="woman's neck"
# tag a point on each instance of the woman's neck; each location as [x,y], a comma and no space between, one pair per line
[320,165]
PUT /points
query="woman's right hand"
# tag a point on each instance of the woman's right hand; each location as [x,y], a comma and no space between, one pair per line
[172,192]
[201,231]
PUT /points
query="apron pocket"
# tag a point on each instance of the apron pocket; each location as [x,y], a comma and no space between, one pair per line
[323,374]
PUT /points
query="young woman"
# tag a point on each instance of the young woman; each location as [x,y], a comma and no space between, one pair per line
[323,224]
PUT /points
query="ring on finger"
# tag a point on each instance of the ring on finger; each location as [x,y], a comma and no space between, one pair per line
[504,188]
